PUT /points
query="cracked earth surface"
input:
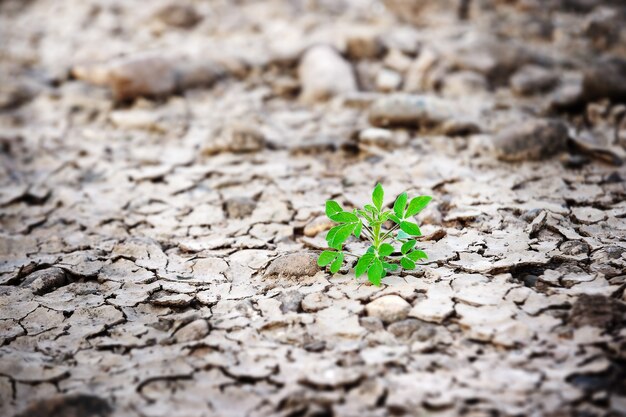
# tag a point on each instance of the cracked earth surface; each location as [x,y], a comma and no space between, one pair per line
[161,213]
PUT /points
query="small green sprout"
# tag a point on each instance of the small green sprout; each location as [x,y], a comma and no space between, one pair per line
[381,256]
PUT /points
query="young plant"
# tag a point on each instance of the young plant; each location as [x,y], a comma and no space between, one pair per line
[381,256]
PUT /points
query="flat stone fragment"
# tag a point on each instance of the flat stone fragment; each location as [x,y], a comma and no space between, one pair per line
[389,308]
[533,140]
[332,377]
[30,367]
[45,280]
[172,300]
[293,265]
[588,215]
[193,331]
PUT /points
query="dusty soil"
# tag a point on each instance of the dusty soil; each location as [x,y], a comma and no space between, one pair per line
[164,170]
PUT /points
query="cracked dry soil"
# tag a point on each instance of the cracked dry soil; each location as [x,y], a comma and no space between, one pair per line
[164,170]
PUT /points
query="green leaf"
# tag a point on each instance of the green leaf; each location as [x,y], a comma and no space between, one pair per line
[332,208]
[416,255]
[390,267]
[375,272]
[407,246]
[336,265]
[402,235]
[410,228]
[364,214]
[395,218]
[371,208]
[363,264]
[344,217]
[326,257]
[357,229]
[400,205]
[377,196]
[330,236]
[407,263]
[385,249]
[343,233]
[416,205]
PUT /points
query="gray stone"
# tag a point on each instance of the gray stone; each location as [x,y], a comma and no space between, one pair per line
[388,308]
[533,140]
[324,73]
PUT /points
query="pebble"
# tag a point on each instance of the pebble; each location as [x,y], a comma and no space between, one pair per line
[418,111]
[148,75]
[532,79]
[178,15]
[389,308]
[382,138]
[532,140]
[388,80]
[606,78]
[45,280]
[290,301]
[324,73]
[293,265]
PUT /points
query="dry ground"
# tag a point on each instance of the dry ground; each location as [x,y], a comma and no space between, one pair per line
[161,212]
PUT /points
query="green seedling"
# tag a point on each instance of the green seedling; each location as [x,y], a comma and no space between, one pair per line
[382,256]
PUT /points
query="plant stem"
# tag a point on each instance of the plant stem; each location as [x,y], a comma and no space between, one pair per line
[395,227]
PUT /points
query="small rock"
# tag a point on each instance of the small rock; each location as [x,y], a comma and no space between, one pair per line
[417,111]
[332,377]
[45,280]
[603,26]
[405,328]
[373,324]
[172,300]
[533,140]
[389,308]
[324,73]
[588,215]
[532,79]
[382,138]
[388,80]
[293,265]
[195,330]
[290,301]
[605,78]
[148,75]
[239,207]
[178,15]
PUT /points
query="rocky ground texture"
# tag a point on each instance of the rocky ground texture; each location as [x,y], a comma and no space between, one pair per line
[164,170]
